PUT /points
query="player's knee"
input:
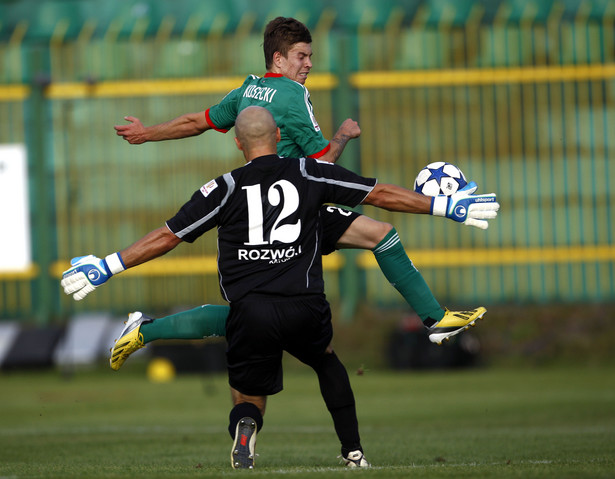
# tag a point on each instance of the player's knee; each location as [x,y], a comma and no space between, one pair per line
[365,233]
[377,230]
[383,230]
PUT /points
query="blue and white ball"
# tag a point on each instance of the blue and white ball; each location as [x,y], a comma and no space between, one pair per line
[439,178]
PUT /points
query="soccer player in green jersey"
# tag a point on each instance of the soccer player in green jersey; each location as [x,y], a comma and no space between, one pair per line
[288,51]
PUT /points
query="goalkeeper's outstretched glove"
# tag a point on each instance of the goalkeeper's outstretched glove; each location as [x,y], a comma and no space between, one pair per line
[467,208]
[89,272]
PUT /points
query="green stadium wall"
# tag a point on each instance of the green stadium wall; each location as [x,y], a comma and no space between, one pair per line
[518,94]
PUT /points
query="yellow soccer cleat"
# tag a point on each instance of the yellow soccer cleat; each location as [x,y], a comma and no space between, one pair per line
[130,340]
[454,322]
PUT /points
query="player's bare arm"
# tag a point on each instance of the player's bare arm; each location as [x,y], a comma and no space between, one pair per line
[462,206]
[154,244]
[88,272]
[397,198]
[348,130]
[184,126]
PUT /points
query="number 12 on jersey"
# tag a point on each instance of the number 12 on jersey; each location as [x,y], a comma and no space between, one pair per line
[283,193]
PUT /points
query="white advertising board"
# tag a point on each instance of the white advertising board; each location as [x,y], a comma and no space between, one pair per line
[15,254]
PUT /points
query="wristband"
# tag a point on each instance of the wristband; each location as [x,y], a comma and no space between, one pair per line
[114,263]
[439,205]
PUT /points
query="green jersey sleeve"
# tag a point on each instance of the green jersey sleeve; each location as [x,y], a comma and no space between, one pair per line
[221,117]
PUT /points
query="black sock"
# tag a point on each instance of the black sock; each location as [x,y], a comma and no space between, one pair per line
[244,409]
[339,398]
[347,428]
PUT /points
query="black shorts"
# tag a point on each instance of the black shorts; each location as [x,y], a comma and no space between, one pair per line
[258,331]
[335,221]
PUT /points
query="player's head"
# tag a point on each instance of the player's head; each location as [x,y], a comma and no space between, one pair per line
[256,132]
[287,45]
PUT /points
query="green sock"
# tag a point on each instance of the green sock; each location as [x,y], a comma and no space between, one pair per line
[402,274]
[198,323]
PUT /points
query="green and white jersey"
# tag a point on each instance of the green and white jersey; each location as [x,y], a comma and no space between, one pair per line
[289,103]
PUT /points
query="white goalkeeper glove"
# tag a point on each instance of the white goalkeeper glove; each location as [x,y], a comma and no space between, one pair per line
[89,272]
[467,208]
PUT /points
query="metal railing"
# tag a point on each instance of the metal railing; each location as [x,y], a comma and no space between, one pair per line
[524,107]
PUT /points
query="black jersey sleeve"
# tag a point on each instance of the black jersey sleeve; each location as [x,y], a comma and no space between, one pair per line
[340,185]
[201,212]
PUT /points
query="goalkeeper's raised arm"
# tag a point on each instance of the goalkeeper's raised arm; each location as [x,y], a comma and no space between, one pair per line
[463,206]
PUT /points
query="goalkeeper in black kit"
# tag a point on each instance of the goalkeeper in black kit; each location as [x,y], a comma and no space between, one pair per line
[267,217]
[287,49]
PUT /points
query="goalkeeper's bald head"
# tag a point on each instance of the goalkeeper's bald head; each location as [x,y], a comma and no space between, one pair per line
[256,132]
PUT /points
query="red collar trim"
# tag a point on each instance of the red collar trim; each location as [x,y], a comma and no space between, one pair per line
[273,75]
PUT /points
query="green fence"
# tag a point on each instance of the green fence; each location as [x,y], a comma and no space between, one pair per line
[518,94]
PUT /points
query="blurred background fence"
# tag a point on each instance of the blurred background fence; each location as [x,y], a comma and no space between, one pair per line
[519,94]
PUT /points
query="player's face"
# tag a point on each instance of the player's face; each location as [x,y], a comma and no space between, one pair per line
[298,63]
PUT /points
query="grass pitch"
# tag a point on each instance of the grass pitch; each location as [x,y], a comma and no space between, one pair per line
[488,423]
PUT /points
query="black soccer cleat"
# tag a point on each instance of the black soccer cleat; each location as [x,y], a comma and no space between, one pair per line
[242,453]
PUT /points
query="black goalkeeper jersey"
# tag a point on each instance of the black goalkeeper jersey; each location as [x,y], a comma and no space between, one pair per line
[267,215]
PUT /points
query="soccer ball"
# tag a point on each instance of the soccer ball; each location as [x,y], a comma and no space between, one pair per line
[439,178]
